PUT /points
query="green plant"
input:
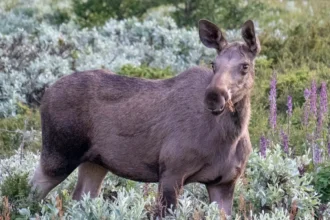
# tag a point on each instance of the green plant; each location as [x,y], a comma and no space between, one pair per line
[305,44]
[145,72]
[229,14]
[22,131]
[321,182]
[34,55]
[274,182]
[17,189]
[96,12]
[15,186]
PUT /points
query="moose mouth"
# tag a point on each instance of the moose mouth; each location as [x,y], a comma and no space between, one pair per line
[217,112]
[229,105]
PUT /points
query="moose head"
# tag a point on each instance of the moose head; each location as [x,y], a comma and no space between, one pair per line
[233,66]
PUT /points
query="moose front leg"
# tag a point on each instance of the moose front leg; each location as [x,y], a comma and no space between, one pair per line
[169,188]
[223,195]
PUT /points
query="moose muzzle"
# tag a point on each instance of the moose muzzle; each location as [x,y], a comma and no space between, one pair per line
[216,99]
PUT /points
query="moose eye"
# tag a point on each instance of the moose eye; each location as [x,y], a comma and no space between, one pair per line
[245,68]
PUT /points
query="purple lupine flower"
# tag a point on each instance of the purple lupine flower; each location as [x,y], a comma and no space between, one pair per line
[313,98]
[306,94]
[285,141]
[323,110]
[319,124]
[328,145]
[316,154]
[289,105]
[272,102]
[263,146]
[323,99]
[306,108]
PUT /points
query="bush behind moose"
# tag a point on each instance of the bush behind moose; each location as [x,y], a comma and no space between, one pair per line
[66,48]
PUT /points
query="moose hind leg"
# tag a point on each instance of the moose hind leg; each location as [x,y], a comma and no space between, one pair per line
[169,189]
[90,178]
[42,183]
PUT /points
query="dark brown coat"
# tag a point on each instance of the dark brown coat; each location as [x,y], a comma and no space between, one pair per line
[173,131]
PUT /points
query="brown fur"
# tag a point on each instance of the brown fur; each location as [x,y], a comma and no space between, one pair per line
[152,130]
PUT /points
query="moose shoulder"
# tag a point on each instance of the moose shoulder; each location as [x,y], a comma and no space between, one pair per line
[189,128]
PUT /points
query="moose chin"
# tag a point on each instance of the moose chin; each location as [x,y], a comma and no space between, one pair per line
[189,128]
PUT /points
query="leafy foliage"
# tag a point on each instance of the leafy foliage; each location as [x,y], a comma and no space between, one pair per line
[17,189]
[321,182]
[275,182]
[15,186]
[21,132]
[37,56]
[37,48]
[305,44]
[231,14]
[272,185]
[145,72]
[96,12]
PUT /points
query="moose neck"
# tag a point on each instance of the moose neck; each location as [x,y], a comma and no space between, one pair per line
[231,125]
[242,111]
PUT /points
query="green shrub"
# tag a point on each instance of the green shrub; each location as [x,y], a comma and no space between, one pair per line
[274,182]
[17,189]
[15,186]
[293,82]
[229,14]
[145,72]
[322,183]
[272,185]
[60,16]
[305,44]
[8,5]
[96,12]
[34,55]
[13,129]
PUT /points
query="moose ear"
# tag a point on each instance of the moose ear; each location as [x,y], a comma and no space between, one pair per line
[250,38]
[211,36]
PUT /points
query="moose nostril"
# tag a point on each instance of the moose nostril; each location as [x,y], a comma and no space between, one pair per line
[212,96]
[215,101]
[219,92]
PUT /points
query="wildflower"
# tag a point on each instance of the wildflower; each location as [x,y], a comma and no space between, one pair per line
[328,145]
[306,108]
[272,100]
[323,110]
[289,105]
[313,99]
[319,124]
[316,154]
[285,141]
[263,146]
[323,99]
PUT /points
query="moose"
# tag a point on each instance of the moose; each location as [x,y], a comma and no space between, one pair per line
[192,127]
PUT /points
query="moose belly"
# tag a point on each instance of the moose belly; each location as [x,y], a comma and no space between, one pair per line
[213,174]
[133,169]
[126,159]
